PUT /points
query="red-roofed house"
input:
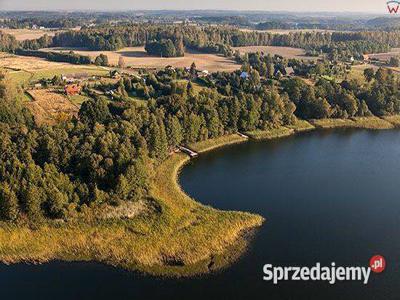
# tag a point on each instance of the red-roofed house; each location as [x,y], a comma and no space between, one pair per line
[72,89]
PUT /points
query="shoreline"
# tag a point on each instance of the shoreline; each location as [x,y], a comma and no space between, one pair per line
[369,123]
[183,238]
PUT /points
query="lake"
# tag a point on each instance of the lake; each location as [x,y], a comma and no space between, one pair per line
[327,196]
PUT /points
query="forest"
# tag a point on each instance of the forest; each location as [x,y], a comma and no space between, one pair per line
[208,38]
[170,40]
[106,155]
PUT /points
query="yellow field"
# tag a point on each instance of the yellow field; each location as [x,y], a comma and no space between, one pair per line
[287,52]
[26,63]
[357,71]
[22,69]
[137,57]
[49,106]
[29,34]
[387,55]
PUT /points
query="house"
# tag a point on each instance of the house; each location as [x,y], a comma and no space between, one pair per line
[365,57]
[203,73]
[244,75]
[72,89]
[38,85]
[289,71]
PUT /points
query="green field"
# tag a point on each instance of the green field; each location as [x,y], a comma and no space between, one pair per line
[78,99]
[25,77]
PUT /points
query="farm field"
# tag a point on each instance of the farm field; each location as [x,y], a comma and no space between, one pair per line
[136,57]
[357,71]
[387,55]
[23,69]
[50,106]
[29,34]
[287,52]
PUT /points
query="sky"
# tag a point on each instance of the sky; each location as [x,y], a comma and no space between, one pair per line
[372,6]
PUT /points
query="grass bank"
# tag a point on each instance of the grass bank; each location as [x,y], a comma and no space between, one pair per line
[356,122]
[181,237]
[211,144]
[301,125]
[270,133]
[394,120]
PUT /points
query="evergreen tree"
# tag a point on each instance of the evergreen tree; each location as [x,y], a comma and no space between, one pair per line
[9,208]
[174,131]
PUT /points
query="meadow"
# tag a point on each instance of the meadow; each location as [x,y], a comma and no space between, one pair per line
[29,34]
[48,106]
[25,69]
[136,57]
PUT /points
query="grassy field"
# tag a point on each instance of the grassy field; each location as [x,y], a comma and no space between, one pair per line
[216,143]
[49,106]
[287,52]
[357,72]
[78,99]
[394,120]
[136,57]
[386,55]
[332,123]
[270,134]
[372,123]
[180,238]
[29,34]
[24,69]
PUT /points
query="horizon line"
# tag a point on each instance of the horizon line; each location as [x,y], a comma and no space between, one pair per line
[194,10]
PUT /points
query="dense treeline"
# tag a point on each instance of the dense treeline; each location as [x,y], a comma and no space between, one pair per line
[170,40]
[209,37]
[59,22]
[166,48]
[8,43]
[106,156]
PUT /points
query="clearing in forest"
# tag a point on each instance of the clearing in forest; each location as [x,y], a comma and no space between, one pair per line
[137,57]
[50,106]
